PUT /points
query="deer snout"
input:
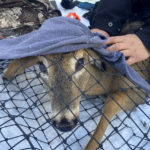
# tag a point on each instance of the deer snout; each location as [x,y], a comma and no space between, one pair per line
[65,125]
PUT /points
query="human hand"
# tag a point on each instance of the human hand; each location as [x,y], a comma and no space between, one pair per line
[100,31]
[130,45]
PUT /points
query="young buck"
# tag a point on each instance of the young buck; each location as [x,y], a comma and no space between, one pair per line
[67,76]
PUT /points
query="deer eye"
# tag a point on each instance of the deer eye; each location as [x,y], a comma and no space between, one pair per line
[80,64]
[42,68]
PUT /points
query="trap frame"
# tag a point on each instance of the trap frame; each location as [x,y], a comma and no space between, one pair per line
[25,121]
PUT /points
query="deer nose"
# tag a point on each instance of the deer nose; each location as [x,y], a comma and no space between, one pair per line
[64,125]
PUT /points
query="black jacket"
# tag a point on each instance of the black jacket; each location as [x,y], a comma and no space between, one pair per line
[110,15]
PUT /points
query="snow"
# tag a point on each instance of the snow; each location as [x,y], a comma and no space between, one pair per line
[76,10]
[25,117]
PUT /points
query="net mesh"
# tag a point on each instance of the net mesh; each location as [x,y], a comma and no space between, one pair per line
[26,122]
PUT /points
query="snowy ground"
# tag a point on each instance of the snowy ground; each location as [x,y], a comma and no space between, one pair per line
[25,118]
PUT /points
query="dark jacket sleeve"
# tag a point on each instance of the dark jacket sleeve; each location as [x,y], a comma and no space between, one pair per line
[111,15]
[144,34]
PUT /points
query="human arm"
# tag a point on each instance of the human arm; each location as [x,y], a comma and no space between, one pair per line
[136,47]
[130,45]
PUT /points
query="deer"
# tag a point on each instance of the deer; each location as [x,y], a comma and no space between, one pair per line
[67,76]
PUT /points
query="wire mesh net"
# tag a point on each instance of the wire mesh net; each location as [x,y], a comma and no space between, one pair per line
[39,99]
[26,120]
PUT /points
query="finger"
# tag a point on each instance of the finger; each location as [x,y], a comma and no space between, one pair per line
[100,32]
[130,61]
[117,47]
[113,40]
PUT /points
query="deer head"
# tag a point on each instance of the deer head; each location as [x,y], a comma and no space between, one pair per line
[68,76]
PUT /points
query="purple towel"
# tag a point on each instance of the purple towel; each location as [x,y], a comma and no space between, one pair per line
[61,35]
